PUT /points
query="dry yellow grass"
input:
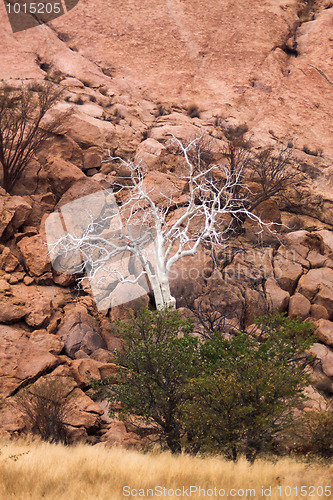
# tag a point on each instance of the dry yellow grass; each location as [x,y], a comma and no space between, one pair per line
[34,470]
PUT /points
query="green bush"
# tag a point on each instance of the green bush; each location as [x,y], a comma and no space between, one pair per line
[246,394]
[210,394]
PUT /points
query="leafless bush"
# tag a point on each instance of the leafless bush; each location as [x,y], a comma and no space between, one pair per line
[210,320]
[258,176]
[46,407]
[306,10]
[314,433]
[21,134]
[193,111]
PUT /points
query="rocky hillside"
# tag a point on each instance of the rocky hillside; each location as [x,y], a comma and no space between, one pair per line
[134,74]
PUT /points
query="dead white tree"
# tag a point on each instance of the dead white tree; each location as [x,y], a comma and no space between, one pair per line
[141,224]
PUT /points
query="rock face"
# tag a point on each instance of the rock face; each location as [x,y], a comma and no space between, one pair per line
[136,102]
[205,69]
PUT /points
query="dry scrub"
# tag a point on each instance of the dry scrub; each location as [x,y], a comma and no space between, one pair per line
[34,470]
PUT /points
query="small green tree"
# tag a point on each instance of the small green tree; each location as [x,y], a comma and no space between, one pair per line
[21,134]
[231,396]
[248,389]
[158,358]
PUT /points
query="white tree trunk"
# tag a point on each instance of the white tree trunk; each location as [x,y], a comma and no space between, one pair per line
[162,293]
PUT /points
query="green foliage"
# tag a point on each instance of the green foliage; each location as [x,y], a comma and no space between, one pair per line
[247,391]
[231,396]
[159,356]
[298,333]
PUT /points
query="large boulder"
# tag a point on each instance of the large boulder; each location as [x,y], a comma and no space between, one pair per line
[187,276]
[299,307]
[251,266]
[317,286]
[35,255]
[80,331]
[50,343]
[224,299]
[88,131]
[164,187]
[85,369]
[8,261]
[62,175]
[40,310]
[41,205]
[115,433]
[61,146]
[287,273]
[255,305]
[14,211]
[21,359]
[128,295]
[148,153]
[322,371]
[316,260]
[84,187]
[318,312]
[324,297]
[269,213]
[277,299]
[324,331]
[86,412]
[92,158]
[327,238]
[10,311]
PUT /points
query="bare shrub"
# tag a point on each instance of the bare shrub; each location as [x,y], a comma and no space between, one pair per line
[314,433]
[193,111]
[306,11]
[21,132]
[270,171]
[46,407]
